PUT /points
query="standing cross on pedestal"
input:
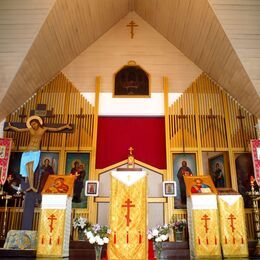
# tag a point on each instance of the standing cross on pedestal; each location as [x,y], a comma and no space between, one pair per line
[131,149]
[132,24]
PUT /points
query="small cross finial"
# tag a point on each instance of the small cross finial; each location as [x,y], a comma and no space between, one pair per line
[131,149]
[132,24]
[131,159]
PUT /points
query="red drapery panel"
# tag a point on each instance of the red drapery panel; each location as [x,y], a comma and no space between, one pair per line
[117,134]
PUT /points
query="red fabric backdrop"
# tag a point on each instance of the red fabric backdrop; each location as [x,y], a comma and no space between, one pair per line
[117,134]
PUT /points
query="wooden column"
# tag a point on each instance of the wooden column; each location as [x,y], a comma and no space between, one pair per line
[62,164]
[199,150]
[233,175]
[258,128]
[169,205]
[92,205]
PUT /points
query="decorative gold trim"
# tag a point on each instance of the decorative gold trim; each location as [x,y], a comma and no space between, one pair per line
[170,202]
[92,206]
[131,63]
[110,167]
[137,162]
[152,168]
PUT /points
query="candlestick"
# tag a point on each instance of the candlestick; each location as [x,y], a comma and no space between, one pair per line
[254,195]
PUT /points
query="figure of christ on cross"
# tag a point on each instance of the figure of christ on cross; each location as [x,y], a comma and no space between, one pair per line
[232,218]
[30,158]
[128,205]
[206,219]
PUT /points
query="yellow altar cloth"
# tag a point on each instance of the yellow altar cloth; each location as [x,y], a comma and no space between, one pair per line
[128,216]
[51,231]
[232,226]
[55,217]
[203,226]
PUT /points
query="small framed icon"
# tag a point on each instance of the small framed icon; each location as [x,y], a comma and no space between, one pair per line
[91,188]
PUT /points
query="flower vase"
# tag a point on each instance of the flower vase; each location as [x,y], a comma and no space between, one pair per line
[158,249]
[81,235]
[179,235]
[98,251]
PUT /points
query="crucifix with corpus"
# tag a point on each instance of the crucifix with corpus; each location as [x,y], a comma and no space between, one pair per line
[31,157]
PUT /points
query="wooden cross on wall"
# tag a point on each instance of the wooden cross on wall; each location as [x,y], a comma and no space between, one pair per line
[22,117]
[212,118]
[182,117]
[80,116]
[241,117]
[132,24]
[41,110]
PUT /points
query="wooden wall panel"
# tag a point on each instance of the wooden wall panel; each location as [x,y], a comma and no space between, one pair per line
[241,22]
[196,31]
[70,28]
[212,124]
[68,106]
[20,21]
[148,48]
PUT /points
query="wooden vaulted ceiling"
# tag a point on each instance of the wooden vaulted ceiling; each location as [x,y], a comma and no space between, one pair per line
[39,38]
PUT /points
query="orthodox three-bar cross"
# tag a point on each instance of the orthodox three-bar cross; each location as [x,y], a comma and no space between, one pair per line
[212,118]
[182,117]
[131,149]
[206,219]
[22,117]
[51,218]
[132,25]
[232,218]
[241,117]
[80,117]
[128,205]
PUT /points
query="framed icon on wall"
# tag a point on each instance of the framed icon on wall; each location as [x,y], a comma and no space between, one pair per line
[91,188]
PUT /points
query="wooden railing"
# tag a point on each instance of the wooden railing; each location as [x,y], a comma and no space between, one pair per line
[14,219]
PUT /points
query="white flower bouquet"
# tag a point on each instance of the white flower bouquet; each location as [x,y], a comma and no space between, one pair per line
[159,233]
[97,234]
[81,223]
